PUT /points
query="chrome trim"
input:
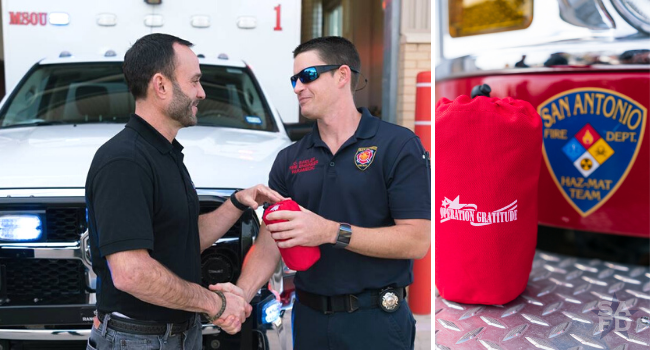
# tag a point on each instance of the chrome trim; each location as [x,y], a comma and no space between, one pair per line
[42,192]
[214,192]
[630,17]
[579,54]
[590,14]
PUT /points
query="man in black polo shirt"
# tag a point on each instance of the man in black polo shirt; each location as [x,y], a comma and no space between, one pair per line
[146,234]
[364,186]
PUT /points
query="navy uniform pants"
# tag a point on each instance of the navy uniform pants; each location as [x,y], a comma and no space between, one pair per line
[363,329]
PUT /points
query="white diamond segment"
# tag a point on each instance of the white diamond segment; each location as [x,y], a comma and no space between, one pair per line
[588,161]
[516,332]
[606,273]
[582,288]
[636,272]
[549,257]
[576,317]
[453,305]
[560,283]
[642,324]
[513,310]
[470,335]
[535,320]
[547,290]
[594,281]
[616,266]
[472,312]
[630,303]
[586,341]
[590,306]
[573,275]
[632,338]
[442,347]
[448,325]
[603,296]
[586,268]
[638,294]
[555,269]
[490,345]
[569,299]
[627,279]
[566,262]
[559,329]
[646,287]
[616,287]
[533,301]
[492,322]
[540,275]
[541,343]
[552,308]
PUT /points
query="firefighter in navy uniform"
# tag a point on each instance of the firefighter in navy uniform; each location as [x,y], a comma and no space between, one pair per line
[364,188]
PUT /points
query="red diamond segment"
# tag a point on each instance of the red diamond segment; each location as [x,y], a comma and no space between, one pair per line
[587,136]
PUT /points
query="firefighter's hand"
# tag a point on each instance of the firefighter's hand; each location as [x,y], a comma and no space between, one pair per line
[237,309]
[301,228]
[258,195]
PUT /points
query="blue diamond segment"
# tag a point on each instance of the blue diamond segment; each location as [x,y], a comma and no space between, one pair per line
[573,149]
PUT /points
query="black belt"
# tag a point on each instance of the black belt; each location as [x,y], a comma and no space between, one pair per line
[347,302]
[127,325]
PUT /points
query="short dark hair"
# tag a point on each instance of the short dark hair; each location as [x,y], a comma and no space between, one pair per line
[151,54]
[334,50]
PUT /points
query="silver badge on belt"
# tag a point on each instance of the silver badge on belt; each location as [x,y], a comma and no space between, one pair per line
[388,301]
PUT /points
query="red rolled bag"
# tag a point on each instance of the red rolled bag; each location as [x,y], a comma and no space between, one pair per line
[488,156]
[297,258]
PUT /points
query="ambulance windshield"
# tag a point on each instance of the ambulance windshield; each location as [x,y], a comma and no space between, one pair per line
[97,93]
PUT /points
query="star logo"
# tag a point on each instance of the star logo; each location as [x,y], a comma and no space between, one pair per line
[613,316]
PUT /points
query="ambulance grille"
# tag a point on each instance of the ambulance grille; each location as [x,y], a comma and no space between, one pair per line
[43,282]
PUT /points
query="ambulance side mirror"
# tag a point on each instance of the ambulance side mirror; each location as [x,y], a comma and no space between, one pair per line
[296,131]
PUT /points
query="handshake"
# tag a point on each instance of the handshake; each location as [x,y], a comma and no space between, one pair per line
[230,307]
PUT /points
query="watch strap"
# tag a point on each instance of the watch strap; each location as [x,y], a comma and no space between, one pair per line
[237,203]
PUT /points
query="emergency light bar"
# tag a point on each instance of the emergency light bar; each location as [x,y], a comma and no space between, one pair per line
[20,227]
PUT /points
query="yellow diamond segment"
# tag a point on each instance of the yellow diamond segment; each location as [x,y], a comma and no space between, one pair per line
[601,151]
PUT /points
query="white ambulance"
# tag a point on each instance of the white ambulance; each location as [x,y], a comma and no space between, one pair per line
[66,96]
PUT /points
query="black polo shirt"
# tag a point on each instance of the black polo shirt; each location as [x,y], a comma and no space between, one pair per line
[140,196]
[380,174]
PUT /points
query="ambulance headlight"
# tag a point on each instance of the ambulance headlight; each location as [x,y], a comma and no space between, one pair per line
[635,12]
[27,227]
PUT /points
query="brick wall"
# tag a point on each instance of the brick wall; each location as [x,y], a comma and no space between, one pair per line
[414,58]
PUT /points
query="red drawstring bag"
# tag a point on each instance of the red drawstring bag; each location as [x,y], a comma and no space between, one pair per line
[488,155]
[297,258]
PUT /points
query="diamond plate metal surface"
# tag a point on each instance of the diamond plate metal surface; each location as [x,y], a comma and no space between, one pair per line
[568,305]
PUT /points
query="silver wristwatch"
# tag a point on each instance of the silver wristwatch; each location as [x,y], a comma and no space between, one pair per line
[343,237]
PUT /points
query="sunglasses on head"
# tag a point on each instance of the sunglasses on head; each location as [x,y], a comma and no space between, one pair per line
[310,74]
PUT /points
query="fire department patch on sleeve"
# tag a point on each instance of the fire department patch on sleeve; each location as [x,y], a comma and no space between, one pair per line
[364,157]
[591,139]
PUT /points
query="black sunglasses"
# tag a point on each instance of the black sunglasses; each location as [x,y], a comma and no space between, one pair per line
[310,74]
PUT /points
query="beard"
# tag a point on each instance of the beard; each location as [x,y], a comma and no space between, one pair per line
[180,107]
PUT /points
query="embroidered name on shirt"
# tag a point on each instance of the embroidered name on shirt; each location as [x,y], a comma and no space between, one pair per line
[303,165]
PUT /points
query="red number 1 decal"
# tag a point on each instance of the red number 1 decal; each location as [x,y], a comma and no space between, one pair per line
[277,17]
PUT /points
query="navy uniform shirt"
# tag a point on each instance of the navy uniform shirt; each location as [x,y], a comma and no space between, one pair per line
[140,196]
[380,174]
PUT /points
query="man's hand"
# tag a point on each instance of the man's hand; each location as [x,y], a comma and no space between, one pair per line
[237,309]
[303,228]
[257,195]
